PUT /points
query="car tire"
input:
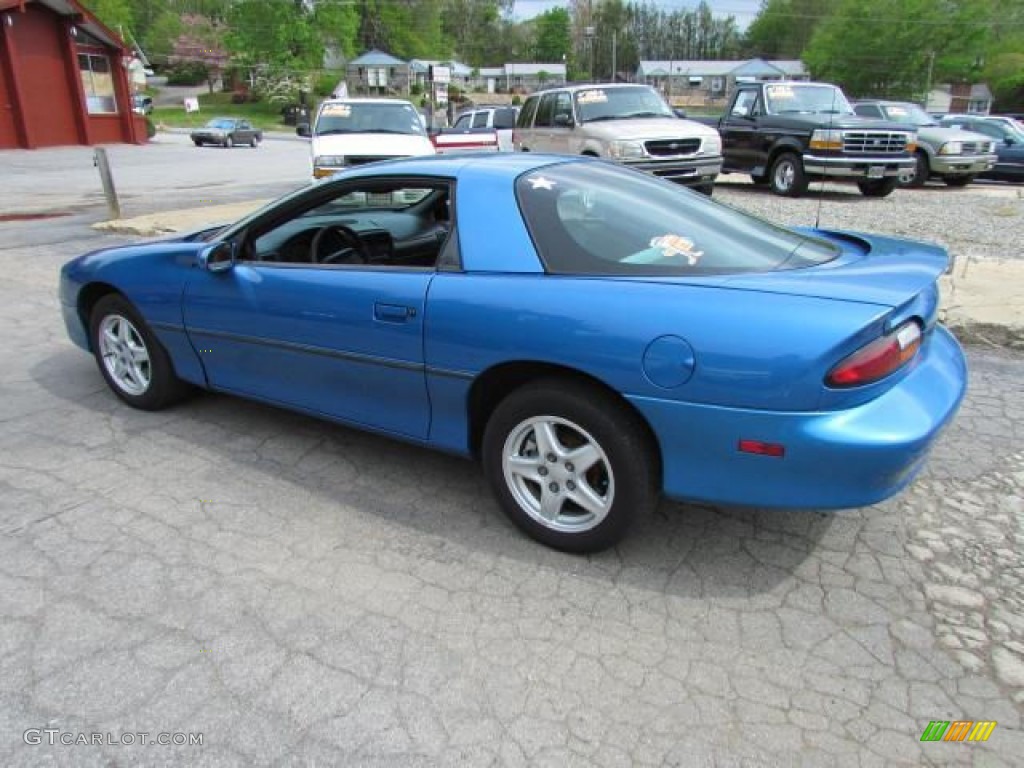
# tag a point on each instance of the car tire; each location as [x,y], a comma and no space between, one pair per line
[197,142]
[958,181]
[555,502]
[787,177]
[254,142]
[878,187]
[919,175]
[229,142]
[132,361]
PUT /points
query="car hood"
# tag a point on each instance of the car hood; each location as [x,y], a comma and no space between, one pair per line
[372,144]
[940,134]
[836,122]
[647,128]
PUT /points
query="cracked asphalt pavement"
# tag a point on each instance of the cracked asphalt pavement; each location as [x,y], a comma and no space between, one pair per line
[303,594]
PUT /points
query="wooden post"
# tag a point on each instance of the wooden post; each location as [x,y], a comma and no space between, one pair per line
[100,155]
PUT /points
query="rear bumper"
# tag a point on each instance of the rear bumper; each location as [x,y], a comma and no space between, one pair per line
[701,170]
[856,168]
[833,459]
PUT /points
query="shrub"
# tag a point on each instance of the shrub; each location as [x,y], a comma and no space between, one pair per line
[516,101]
[187,73]
[150,129]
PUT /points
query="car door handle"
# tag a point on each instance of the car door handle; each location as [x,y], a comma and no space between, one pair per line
[392,313]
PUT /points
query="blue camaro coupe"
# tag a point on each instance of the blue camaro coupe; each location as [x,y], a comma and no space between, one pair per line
[595,335]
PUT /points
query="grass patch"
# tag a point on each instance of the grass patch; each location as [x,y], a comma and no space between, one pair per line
[261,114]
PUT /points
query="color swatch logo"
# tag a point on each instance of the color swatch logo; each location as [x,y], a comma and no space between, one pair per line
[958,730]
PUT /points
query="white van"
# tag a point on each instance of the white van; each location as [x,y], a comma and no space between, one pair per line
[350,132]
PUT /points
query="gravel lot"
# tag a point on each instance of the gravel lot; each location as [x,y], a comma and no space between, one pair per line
[982,220]
[307,595]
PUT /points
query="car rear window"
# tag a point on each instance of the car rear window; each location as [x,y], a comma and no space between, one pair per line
[597,218]
[505,118]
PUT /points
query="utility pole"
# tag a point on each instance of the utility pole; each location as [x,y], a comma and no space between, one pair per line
[928,82]
[615,37]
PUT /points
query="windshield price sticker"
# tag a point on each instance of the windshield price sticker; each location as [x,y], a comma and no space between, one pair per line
[337,110]
[592,97]
[897,111]
[781,92]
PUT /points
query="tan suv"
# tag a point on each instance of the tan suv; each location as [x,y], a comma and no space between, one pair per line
[628,123]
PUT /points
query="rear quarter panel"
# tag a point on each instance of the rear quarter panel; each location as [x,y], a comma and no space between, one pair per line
[750,349]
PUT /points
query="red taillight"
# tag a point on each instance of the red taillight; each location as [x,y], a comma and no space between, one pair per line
[775,450]
[879,358]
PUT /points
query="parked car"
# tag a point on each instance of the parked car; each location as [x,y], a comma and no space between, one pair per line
[142,104]
[784,134]
[952,154]
[631,124]
[1009,142]
[227,132]
[500,120]
[595,335]
[356,131]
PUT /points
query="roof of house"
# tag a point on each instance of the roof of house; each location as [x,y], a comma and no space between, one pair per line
[86,20]
[535,69]
[720,68]
[458,68]
[376,58]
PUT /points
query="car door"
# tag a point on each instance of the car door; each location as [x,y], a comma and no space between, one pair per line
[741,139]
[245,132]
[342,340]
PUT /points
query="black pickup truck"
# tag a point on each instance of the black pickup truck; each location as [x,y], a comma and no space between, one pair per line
[786,133]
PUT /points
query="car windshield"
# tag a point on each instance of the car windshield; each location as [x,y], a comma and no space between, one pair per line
[369,117]
[791,98]
[909,114]
[600,219]
[595,104]
[221,124]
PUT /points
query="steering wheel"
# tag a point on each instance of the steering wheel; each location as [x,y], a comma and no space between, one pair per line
[340,245]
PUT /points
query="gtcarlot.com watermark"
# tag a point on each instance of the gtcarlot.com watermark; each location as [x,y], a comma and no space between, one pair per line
[55,736]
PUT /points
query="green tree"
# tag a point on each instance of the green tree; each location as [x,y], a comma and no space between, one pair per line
[553,39]
[116,14]
[783,28]
[161,35]
[896,48]
[279,34]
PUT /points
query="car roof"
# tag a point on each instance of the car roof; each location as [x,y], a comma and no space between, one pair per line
[367,100]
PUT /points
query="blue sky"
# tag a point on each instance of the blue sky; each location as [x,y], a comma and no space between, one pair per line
[743,10]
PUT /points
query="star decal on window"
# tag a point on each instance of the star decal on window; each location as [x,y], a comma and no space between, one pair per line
[541,183]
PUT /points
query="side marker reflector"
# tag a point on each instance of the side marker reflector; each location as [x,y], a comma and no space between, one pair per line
[775,450]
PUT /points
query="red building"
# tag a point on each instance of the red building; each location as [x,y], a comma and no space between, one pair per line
[62,78]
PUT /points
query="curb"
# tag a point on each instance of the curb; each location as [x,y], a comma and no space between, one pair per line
[267,135]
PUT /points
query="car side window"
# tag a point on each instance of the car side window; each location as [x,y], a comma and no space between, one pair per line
[525,119]
[563,106]
[504,118]
[746,103]
[374,223]
[463,122]
[480,120]
[244,125]
[546,111]
[988,129]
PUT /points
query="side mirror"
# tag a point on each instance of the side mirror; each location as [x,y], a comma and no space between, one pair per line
[302,129]
[564,121]
[219,257]
[679,112]
[1009,141]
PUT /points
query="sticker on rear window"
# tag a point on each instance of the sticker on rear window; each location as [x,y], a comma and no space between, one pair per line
[592,97]
[677,246]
